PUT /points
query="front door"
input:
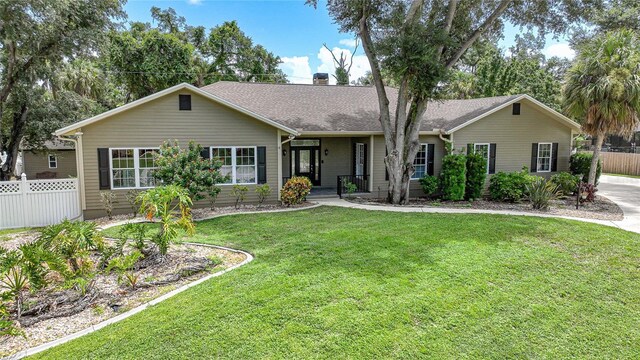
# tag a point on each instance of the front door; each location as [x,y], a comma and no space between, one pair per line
[305,161]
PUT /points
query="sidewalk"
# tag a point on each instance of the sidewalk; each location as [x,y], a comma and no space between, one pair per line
[625,192]
[437,210]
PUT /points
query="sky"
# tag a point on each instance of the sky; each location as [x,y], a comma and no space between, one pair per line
[292,30]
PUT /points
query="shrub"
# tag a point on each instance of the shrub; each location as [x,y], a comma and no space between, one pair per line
[453,177]
[108,199]
[240,193]
[476,176]
[510,187]
[131,197]
[566,182]
[580,163]
[587,192]
[350,188]
[541,192]
[429,185]
[295,190]
[73,240]
[164,202]
[187,169]
[263,192]
[214,191]
[123,266]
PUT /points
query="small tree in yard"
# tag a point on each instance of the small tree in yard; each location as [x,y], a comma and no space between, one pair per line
[163,203]
[213,193]
[188,169]
[239,192]
[263,192]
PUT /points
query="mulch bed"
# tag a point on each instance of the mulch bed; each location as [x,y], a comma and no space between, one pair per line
[601,209]
[55,312]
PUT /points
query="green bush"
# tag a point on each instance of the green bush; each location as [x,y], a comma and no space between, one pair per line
[566,182]
[476,176]
[580,163]
[295,190]
[453,177]
[510,187]
[263,192]
[239,192]
[429,184]
[541,192]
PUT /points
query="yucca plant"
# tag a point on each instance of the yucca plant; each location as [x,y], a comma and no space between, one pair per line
[15,282]
[541,192]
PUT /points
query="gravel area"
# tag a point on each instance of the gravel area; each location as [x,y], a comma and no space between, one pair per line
[601,209]
[113,298]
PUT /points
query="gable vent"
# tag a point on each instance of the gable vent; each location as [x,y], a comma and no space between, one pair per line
[185,102]
[516,109]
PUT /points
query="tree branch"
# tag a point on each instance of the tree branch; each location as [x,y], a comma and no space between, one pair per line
[448,22]
[502,7]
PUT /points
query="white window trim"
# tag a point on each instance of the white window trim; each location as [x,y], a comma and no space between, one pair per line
[55,161]
[488,152]
[360,158]
[233,162]
[136,166]
[426,161]
[538,157]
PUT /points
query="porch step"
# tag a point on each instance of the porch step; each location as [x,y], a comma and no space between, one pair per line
[322,196]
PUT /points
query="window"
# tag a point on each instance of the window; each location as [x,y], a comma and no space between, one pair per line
[360,159]
[53,162]
[132,168]
[238,163]
[484,150]
[420,163]
[305,142]
[185,102]
[544,157]
[516,109]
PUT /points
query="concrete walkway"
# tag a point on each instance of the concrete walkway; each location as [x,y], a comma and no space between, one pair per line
[631,224]
[626,193]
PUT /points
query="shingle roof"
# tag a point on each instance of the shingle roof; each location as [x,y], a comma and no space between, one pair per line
[341,108]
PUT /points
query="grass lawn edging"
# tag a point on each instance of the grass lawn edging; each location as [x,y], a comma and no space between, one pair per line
[115,319]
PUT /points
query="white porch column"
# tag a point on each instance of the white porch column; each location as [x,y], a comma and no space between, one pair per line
[279,145]
[371,163]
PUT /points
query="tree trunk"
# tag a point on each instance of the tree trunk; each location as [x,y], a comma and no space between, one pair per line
[13,146]
[594,160]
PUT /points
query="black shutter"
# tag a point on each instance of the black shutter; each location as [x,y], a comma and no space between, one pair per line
[492,158]
[103,169]
[534,157]
[554,157]
[430,158]
[205,153]
[470,149]
[262,164]
[185,102]
[354,148]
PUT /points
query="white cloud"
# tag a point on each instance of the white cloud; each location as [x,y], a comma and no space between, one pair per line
[348,42]
[562,50]
[297,69]
[327,65]
[194,2]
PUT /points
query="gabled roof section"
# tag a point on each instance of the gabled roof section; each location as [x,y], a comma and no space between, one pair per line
[518,98]
[183,86]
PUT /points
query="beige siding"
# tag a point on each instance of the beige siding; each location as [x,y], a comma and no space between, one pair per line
[380,184]
[513,136]
[34,163]
[148,125]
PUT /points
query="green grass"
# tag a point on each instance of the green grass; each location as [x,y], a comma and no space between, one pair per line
[5,232]
[345,283]
[622,175]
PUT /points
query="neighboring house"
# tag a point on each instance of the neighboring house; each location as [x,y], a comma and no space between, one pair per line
[58,161]
[265,133]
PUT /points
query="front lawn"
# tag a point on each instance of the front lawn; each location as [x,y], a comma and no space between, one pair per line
[344,283]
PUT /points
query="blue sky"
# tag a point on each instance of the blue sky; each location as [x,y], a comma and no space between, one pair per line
[289,29]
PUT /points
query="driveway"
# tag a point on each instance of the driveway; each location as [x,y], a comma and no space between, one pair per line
[626,193]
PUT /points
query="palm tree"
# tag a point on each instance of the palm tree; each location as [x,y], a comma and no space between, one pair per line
[603,88]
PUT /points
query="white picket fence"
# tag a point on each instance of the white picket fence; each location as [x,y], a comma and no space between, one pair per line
[29,203]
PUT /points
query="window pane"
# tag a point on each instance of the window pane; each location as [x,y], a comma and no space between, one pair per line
[420,163]
[245,174]
[223,155]
[122,168]
[305,142]
[245,165]
[544,157]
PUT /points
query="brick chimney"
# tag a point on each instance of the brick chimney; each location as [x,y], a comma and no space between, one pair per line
[320,79]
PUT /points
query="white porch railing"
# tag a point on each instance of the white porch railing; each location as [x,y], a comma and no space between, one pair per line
[27,203]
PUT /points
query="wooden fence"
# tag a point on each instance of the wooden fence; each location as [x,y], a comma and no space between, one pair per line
[28,203]
[620,163]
